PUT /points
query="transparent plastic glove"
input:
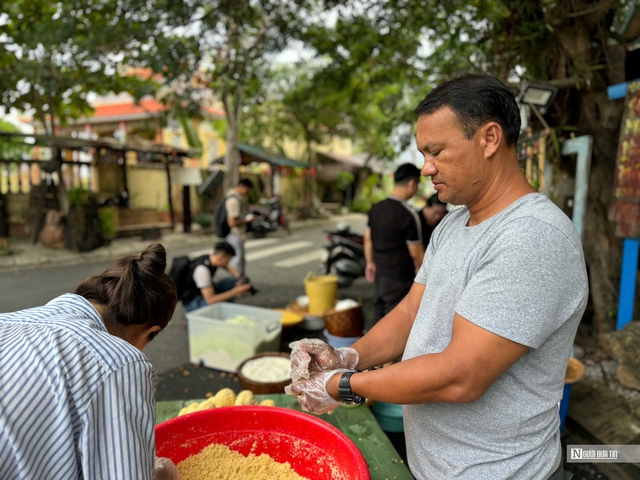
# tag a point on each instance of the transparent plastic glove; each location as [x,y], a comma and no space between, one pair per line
[165,470]
[310,355]
[312,393]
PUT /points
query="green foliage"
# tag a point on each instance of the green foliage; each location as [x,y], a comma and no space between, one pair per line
[4,248]
[344,180]
[369,195]
[361,205]
[361,90]
[203,219]
[107,218]
[12,148]
[78,196]
[54,53]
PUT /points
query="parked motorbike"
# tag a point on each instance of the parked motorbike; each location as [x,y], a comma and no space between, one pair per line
[344,257]
[267,217]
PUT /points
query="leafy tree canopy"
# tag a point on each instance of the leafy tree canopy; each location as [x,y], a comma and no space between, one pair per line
[52,54]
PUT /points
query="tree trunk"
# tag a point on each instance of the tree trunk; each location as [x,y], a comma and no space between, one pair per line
[599,117]
[56,156]
[603,251]
[231,156]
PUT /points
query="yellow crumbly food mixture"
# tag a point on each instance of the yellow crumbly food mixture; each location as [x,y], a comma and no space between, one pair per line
[219,462]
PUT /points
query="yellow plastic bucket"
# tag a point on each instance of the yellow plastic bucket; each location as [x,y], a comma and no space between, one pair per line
[321,291]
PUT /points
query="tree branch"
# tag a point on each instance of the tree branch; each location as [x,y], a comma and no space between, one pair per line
[602,7]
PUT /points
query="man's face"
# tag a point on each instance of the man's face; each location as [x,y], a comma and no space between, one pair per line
[457,166]
[220,260]
[243,190]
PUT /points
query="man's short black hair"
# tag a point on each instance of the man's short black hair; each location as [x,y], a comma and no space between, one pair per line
[245,182]
[225,249]
[476,100]
[434,200]
[406,172]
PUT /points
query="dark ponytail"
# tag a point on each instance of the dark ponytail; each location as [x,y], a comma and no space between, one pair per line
[136,290]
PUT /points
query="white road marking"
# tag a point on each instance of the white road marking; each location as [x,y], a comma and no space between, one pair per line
[312,256]
[253,243]
[268,252]
[260,242]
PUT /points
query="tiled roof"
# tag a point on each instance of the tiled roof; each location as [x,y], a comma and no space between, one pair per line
[149,106]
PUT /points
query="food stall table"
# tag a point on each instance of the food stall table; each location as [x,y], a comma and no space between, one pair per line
[358,423]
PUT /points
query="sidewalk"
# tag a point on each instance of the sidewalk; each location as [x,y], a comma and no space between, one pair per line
[27,255]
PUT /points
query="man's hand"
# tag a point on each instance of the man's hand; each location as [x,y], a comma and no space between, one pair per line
[312,393]
[165,469]
[310,355]
[240,290]
[370,272]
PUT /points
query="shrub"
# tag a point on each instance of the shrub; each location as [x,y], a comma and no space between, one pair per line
[203,219]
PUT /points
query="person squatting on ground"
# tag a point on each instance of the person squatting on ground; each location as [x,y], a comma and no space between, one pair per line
[77,392]
[393,242]
[201,289]
[236,213]
[486,331]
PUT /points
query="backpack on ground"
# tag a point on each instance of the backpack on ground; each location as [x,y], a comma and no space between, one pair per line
[179,273]
[221,225]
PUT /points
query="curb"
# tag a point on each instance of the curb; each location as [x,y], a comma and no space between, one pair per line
[37,256]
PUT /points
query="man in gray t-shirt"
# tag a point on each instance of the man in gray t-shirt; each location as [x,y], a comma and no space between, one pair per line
[520,275]
[487,327]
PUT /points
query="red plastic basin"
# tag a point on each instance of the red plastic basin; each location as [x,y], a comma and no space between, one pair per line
[315,449]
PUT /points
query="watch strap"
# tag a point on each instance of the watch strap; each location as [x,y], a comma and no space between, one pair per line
[344,389]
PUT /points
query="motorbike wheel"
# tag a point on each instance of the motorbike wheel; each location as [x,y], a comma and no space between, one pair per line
[344,281]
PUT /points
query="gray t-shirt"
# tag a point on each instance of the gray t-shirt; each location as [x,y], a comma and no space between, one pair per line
[521,275]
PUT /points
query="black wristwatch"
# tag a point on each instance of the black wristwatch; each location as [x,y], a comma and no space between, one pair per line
[344,390]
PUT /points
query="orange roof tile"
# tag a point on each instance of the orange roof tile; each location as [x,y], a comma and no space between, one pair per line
[214,111]
[149,106]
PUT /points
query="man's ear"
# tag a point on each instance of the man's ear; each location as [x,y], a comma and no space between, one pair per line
[492,137]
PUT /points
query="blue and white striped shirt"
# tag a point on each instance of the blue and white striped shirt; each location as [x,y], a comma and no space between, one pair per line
[75,401]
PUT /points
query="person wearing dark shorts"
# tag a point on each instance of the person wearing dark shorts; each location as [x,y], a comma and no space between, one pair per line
[393,242]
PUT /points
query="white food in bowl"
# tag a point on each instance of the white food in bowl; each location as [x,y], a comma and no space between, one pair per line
[267,369]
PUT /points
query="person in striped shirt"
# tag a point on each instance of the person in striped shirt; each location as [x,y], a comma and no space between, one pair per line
[76,391]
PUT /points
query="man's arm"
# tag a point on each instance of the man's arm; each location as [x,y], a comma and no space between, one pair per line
[236,274]
[202,276]
[211,297]
[117,439]
[370,270]
[462,372]
[416,250]
[387,339]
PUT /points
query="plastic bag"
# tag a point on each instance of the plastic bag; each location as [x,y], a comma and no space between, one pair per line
[312,393]
[311,355]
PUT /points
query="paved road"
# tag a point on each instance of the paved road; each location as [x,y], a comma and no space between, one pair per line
[277,266]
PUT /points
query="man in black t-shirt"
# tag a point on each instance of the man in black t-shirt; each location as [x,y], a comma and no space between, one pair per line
[430,216]
[393,242]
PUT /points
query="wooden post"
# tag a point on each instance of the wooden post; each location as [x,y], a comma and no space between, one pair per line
[166,165]
[125,180]
[186,208]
